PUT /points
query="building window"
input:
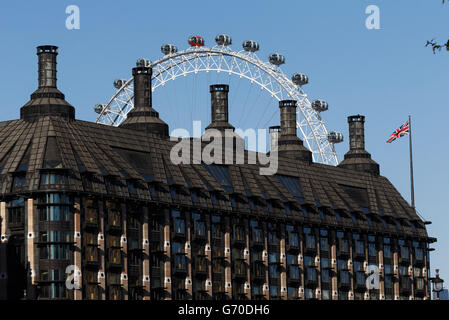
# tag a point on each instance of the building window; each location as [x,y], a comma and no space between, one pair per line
[326,294]
[274,292]
[310,242]
[360,278]
[324,244]
[360,247]
[256,232]
[419,254]
[403,270]
[55,236]
[292,185]
[239,233]
[344,277]
[292,293]
[273,271]
[419,284]
[199,226]
[16,211]
[388,269]
[387,251]
[309,293]
[216,229]
[54,290]
[179,258]
[221,175]
[57,207]
[273,238]
[325,278]
[19,181]
[293,272]
[372,249]
[342,295]
[178,223]
[53,178]
[55,213]
[55,252]
[115,256]
[405,252]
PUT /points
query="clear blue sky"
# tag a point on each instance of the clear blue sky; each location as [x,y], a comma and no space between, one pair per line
[383,74]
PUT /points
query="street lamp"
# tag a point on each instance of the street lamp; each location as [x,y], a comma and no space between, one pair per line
[437,284]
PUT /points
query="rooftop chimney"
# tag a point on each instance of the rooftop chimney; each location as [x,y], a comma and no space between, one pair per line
[47,100]
[219,107]
[47,66]
[142,87]
[143,117]
[289,145]
[357,158]
[275,132]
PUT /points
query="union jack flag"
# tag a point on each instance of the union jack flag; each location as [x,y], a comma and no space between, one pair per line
[401,131]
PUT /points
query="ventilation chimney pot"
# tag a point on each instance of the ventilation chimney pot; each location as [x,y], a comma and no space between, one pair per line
[356,132]
[47,66]
[275,132]
[143,117]
[47,100]
[219,107]
[357,158]
[288,117]
[289,145]
[142,87]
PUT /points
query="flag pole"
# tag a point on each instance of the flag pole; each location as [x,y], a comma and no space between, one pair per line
[412,187]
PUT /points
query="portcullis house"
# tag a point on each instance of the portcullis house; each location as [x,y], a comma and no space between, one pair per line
[106,206]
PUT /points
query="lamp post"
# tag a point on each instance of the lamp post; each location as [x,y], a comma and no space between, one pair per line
[437,284]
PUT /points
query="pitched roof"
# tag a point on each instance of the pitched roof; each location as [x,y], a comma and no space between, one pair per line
[106,160]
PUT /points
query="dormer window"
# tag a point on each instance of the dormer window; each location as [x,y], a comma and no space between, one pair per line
[131,187]
[19,180]
[53,178]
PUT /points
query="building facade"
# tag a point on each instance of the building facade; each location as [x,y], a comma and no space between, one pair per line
[107,208]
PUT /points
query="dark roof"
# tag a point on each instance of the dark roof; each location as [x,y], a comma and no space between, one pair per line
[121,162]
[47,150]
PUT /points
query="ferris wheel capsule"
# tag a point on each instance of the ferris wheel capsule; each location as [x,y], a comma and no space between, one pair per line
[118,83]
[300,79]
[276,59]
[98,108]
[250,46]
[196,41]
[169,49]
[142,62]
[223,40]
[320,105]
[335,137]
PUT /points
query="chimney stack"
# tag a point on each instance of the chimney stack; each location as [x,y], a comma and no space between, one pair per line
[275,132]
[219,107]
[143,117]
[47,100]
[357,158]
[47,66]
[289,145]
[142,87]
[356,132]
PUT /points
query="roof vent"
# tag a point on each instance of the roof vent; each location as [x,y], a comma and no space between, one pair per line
[357,158]
[47,100]
[143,117]
[289,145]
[219,107]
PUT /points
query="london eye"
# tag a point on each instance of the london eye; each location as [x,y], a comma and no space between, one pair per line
[245,64]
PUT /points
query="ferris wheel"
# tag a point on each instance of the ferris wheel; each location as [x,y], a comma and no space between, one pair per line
[245,64]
